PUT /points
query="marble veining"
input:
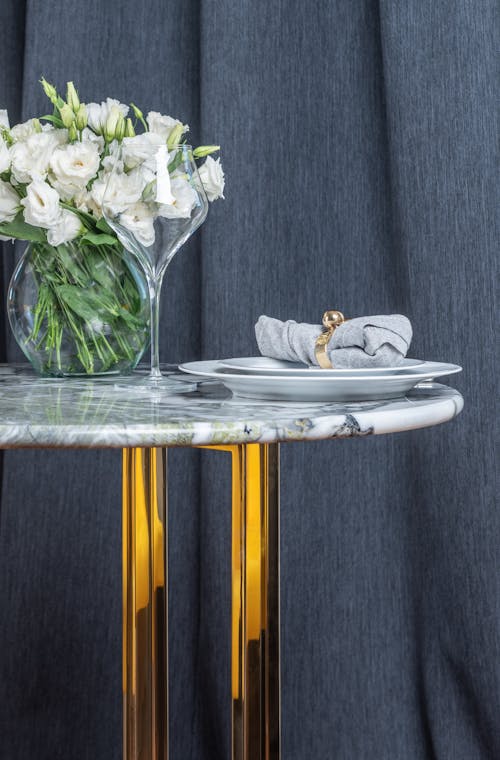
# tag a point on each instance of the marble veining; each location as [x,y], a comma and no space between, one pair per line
[122,411]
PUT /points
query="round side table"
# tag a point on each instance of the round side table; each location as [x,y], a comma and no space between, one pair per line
[124,412]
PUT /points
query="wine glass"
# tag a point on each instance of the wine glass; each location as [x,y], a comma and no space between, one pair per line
[154,207]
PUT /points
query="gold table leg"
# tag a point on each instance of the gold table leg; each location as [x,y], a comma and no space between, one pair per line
[145,605]
[255,662]
[255,603]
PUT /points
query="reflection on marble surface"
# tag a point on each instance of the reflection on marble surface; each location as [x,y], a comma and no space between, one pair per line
[119,411]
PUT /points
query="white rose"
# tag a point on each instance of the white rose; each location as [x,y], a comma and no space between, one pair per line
[212,177]
[121,190]
[185,198]
[67,228]
[4,118]
[41,205]
[73,166]
[163,125]
[97,114]
[9,202]
[139,220]
[4,156]
[141,149]
[31,158]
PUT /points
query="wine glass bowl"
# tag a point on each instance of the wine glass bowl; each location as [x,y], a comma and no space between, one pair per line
[154,202]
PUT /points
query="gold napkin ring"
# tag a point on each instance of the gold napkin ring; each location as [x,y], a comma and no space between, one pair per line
[331,320]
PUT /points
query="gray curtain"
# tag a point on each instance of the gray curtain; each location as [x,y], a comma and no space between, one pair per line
[358,145]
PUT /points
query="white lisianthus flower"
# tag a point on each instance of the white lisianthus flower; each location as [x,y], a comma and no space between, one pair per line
[4,156]
[67,228]
[163,125]
[212,177]
[94,117]
[41,205]
[89,136]
[121,190]
[141,149]
[139,220]
[73,166]
[84,201]
[31,158]
[21,132]
[97,114]
[4,118]
[9,202]
[185,198]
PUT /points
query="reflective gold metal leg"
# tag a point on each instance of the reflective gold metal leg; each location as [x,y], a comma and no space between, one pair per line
[145,660]
[255,603]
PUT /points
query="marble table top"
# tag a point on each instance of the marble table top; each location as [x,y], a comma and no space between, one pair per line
[123,411]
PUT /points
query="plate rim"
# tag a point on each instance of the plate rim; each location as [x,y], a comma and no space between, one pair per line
[452,369]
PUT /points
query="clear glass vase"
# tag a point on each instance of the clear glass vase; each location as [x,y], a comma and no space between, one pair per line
[78,309]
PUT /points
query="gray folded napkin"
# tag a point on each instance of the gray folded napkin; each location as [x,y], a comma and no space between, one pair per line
[379,341]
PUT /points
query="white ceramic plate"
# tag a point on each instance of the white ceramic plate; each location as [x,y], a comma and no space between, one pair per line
[319,388]
[263,365]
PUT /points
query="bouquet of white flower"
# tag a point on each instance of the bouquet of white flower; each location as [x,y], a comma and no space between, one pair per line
[54,171]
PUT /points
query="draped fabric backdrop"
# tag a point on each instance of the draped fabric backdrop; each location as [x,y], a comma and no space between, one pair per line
[358,146]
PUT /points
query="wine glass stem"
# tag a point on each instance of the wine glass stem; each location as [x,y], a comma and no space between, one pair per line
[154,286]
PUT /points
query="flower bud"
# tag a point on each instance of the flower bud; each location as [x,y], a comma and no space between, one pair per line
[67,115]
[175,135]
[36,125]
[129,128]
[111,123]
[205,150]
[72,133]
[81,117]
[49,90]
[120,128]
[4,119]
[137,112]
[72,97]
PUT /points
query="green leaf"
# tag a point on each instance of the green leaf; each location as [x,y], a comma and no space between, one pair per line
[175,162]
[84,303]
[18,228]
[86,219]
[95,238]
[99,268]
[56,121]
[70,266]
[104,226]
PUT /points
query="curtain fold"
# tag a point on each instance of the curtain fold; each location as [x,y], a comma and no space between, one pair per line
[358,143]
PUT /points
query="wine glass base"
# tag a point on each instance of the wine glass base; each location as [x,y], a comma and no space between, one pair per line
[169,381]
[139,382]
